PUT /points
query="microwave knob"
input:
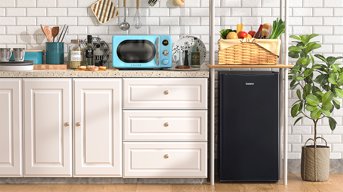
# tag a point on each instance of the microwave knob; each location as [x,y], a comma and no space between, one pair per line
[165,61]
[165,52]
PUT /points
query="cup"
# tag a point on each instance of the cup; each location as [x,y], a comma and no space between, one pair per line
[19,54]
[5,54]
[54,52]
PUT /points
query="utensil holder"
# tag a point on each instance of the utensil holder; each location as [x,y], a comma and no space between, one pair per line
[54,52]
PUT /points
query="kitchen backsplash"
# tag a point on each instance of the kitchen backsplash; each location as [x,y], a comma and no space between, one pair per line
[20,27]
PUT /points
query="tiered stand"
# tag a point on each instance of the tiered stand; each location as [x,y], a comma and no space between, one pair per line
[283,69]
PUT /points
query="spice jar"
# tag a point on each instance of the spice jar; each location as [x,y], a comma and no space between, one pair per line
[75,54]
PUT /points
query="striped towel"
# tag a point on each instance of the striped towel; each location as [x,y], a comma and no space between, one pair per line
[104,10]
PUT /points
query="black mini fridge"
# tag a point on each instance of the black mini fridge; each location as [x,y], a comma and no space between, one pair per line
[248,126]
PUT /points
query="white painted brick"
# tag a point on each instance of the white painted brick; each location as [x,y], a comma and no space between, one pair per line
[333,3]
[3,12]
[46,3]
[337,147]
[241,12]
[325,49]
[199,30]
[295,3]
[251,20]
[270,3]
[15,12]
[323,30]
[335,155]
[8,20]
[169,20]
[27,39]
[269,19]
[323,11]
[26,20]
[251,3]
[302,12]
[313,3]
[179,30]
[190,21]
[294,138]
[294,155]
[2,30]
[230,20]
[261,12]
[297,147]
[333,138]
[276,12]
[87,21]
[77,11]
[159,12]
[34,30]
[68,3]
[324,130]
[67,21]
[98,30]
[16,30]
[7,3]
[338,30]
[85,3]
[333,21]
[231,3]
[159,30]
[57,12]
[313,20]
[193,3]
[200,12]
[338,120]
[301,129]
[26,3]
[180,12]
[295,21]
[116,30]
[46,21]
[223,12]
[36,12]
[141,31]
[8,39]
[302,29]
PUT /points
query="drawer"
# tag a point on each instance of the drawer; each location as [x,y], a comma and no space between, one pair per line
[165,159]
[165,125]
[165,93]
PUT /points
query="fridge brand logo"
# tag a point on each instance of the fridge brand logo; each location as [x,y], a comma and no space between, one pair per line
[249,84]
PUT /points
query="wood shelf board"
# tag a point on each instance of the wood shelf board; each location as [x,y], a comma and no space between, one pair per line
[249,66]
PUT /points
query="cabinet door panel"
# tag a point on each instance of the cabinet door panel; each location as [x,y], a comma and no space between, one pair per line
[47,134]
[10,128]
[97,127]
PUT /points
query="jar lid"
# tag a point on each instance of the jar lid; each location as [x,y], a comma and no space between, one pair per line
[75,41]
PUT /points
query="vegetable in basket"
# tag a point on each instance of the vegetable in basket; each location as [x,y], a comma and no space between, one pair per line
[278,29]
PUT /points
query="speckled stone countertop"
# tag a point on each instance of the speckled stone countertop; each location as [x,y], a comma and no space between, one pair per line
[104,74]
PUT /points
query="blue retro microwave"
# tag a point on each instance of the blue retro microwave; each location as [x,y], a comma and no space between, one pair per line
[142,51]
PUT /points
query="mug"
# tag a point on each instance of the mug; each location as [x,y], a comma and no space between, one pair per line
[5,54]
[19,54]
[54,52]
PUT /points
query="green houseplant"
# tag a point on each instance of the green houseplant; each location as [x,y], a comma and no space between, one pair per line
[318,88]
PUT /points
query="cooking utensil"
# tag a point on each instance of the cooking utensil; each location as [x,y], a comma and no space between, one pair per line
[124,25]
[54,32]
[47,32]
[152,2]
[65,31]
[137,19]
[59,37]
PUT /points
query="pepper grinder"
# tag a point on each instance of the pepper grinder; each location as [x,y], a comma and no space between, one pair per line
[185,64]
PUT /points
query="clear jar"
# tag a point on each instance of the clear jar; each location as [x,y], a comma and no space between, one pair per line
[75,54]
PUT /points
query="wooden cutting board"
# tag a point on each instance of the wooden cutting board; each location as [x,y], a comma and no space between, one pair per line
[50,67]
[104,10]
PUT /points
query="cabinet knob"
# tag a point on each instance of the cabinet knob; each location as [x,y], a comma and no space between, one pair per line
[166,92]
[78,124]
[166,156]
[66,124]
[166,124]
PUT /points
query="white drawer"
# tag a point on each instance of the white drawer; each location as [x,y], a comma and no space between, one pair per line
[165,159]
[163,125]
[165,93]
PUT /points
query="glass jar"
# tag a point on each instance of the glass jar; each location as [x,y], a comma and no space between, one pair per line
[75,54]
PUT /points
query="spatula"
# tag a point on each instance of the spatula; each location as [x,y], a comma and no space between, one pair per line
[47,32]
[54,32]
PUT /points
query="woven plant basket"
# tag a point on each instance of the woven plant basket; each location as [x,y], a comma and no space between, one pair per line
[248,52]
[315,162]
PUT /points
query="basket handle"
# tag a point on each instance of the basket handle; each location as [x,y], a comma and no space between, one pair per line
[252,40]
[310,139]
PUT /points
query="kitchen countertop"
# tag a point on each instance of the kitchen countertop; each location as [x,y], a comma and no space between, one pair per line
[104,74]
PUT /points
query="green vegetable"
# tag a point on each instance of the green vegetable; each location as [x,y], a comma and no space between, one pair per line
[224,32]
[279,28]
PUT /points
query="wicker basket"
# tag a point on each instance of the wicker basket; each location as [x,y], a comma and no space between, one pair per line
[254,52]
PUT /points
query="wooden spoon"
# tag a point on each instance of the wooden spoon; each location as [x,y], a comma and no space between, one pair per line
[47,32]
[54,32]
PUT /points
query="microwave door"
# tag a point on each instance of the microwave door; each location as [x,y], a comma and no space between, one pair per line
[157,58]
[136,51]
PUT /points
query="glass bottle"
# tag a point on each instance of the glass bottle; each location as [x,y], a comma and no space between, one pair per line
[89,51]
[74,54]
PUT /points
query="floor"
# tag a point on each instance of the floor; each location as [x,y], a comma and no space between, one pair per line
[335,184]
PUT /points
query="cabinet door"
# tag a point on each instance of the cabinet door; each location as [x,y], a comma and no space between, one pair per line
[48,144]
[98,127]
[10,127]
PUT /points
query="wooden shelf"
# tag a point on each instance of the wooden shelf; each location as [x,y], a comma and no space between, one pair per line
[249,66]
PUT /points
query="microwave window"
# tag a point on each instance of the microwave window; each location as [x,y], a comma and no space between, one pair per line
[136,51]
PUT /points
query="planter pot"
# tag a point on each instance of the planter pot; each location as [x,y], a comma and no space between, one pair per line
[315,162]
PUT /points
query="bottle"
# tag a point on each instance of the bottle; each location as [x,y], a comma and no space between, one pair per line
[195,57]
[186,62]
[89,51]
[258,34]
[98,55]
[75,54]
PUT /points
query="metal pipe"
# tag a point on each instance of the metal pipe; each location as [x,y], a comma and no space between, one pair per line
[286,95]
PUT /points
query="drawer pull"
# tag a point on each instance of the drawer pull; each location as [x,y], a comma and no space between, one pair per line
[166,156]
[78,124]
[166,124]
[66,124]
[166,92]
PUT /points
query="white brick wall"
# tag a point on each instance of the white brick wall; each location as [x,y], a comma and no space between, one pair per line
[20,20]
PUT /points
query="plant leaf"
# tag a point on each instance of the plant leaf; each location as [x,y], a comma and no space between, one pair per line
[339,92]
[295,37]
[337,104]
[332,123]
[295,109]
[315,114]
[321,57]
[327,97]
[312,100]
[299,93]
[296,121]
[310,108]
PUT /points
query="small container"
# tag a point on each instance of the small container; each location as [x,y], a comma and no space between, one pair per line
[36,56]
[195,58]
[74,54]
[54,53]
[5,54]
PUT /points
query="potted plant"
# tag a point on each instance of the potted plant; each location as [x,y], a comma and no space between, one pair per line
[318,88]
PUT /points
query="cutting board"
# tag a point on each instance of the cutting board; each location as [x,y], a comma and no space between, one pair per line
[50,67]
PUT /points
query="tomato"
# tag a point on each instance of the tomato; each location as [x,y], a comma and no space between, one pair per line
[242,34]
[252,33]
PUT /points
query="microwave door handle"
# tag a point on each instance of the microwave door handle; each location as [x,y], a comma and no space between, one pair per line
[157,43]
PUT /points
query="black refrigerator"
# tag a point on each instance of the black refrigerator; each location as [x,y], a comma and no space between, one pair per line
[248,126]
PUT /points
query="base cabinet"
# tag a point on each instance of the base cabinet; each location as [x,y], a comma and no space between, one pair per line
[98,139]
[47,130]
[10,128]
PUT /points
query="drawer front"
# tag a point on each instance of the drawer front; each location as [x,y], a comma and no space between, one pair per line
[165,93]
[165,159]
[163,125]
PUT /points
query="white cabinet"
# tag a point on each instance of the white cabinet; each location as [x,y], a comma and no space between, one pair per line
[98,140]
[47,127]
[10,128]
